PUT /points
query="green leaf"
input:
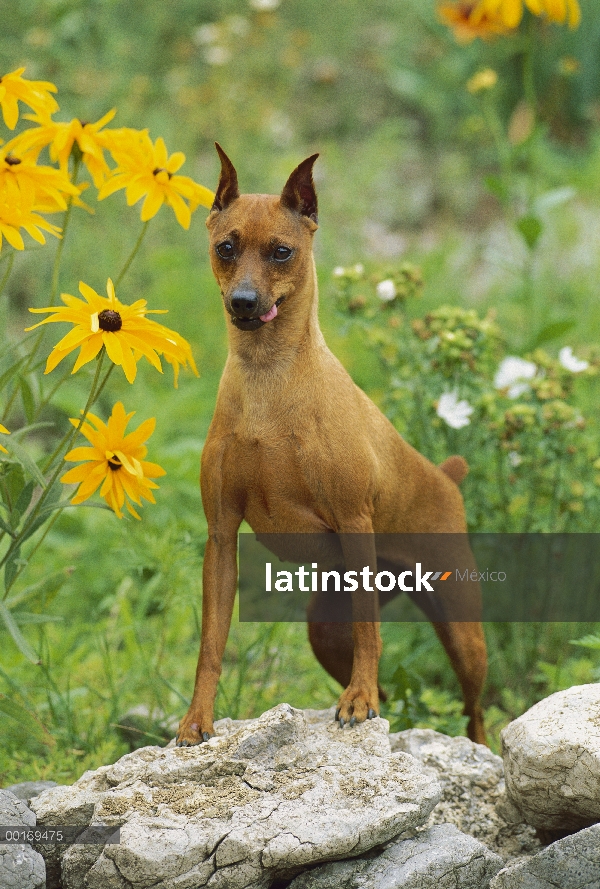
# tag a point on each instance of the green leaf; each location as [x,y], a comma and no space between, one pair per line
[18,638]
[27,399]
[11,567]
[28,464]
[531,228]
[551,332]
[496,186]
[6,528]
[591,641]
[27,719]
[23,501]
[12,370]
[28,617]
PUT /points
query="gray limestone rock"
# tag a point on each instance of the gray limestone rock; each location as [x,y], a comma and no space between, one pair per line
[473,792]
[265,799]
[28,789]
[552,760]
[570,863]
[20,866]
[440,857]
[14,811]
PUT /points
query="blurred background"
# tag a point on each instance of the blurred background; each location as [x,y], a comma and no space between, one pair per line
[415,167]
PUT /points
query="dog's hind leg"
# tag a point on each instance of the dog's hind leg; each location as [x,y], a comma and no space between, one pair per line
[465,645]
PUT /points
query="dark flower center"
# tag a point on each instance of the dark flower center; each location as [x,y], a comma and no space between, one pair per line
[157,170]
[114,463]
[11,160]
[110,321]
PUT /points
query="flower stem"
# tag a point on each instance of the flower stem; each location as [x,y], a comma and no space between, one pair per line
[131,256]
[66,444]
[5,276]
[61,243]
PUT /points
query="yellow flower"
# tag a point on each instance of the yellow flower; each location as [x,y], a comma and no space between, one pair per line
[62,136]
[38,187]
[13,216]
[511,11]
[35,93]
[124,331]
[460,16]
[486,79]
[145,170]
[6,432]
[115,461]
[488,18]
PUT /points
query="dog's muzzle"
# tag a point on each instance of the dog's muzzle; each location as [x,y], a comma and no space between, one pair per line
[244,308]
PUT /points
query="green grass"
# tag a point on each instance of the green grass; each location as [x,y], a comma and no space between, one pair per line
[378,89]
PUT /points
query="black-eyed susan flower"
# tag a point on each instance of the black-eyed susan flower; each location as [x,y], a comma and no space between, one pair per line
[4,431]
[123,330]
[467,25]
[14,216]
[60,138]
[38,186]
[511,11]
[145,170]
[114,461]
[34,93]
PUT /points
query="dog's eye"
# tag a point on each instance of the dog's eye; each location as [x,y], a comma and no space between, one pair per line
[280,254]
[226,250]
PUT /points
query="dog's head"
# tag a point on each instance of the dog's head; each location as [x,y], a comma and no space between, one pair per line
[261,245]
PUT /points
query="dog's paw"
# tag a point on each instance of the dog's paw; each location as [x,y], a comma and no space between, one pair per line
[193,730]
[356,705]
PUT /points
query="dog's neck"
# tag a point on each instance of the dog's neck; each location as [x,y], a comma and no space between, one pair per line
[276,348]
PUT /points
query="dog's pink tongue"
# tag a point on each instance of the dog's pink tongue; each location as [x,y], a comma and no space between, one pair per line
[270,314]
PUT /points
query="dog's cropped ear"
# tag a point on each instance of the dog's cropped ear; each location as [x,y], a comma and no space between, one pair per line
[227,189]
[299,192]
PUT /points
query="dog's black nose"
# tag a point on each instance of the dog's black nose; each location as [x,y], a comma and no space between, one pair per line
[244,303]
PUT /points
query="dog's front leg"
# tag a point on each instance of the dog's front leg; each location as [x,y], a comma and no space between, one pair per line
[219,581]
[360,700]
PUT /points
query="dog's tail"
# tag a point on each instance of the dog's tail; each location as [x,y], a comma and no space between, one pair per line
[455,468]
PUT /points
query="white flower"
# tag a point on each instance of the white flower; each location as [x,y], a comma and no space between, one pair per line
[512,375]
[570,362]
[359,268]
[264,5]
[386,290]
[515,459]
[206,34]
[217,55]
[339,271]
[454,412]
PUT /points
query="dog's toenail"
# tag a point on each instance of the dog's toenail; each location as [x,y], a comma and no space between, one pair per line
[337,715]
[353,722]
[342,722]
[371,714]
[205,736]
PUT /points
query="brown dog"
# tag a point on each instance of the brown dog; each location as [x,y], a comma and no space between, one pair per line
[296,446]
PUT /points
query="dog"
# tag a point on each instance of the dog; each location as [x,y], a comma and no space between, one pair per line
[295,446]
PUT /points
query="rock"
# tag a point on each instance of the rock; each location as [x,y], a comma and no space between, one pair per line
[472,782]
[570,863]
[440,857]
[28,789]
[259,802]
[20,866]
[552,760]
[14,811]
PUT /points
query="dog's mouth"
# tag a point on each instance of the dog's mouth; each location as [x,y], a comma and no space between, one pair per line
[260,321]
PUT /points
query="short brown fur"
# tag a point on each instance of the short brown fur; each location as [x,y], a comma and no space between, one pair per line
[296,446]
